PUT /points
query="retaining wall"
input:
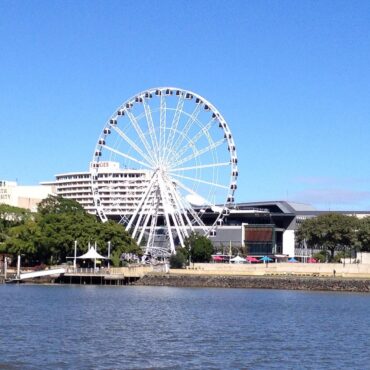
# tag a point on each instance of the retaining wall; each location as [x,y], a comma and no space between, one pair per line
[256,282]
[302,269]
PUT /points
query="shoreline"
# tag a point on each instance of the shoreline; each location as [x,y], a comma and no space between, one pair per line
[178,280]
[338,284]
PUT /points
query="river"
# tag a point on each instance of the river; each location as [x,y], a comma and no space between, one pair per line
[95,327]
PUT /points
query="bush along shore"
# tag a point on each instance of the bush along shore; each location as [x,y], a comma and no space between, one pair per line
[257,282]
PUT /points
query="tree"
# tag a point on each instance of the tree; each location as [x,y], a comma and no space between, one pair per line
[49,237]
[178,260]
[199,247]
[331,231]
[363,234]
[57,205]
[24,239]
[11,216]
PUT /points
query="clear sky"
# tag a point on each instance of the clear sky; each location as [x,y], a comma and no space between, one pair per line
[292,79]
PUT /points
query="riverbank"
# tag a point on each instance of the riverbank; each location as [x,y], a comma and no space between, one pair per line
[257,282]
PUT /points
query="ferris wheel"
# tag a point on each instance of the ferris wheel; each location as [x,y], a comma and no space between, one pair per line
[165,165]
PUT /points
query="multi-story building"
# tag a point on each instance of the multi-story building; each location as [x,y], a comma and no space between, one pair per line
[120,190]
[23,196]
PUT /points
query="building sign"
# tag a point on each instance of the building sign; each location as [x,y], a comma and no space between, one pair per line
[4,194]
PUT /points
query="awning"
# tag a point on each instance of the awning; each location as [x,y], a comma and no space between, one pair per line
[92,254]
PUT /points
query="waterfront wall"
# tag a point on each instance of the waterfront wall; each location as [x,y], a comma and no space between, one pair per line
[256,282]
[301,269]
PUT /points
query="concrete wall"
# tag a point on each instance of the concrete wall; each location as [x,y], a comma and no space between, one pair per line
[288,242]
[309,269]
[363,257]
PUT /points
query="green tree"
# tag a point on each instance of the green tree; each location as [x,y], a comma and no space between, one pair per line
[331,232]
[11,216]
[49,237]
[178,260]
[199,247]
[57,205]
[24,239]
[363,234]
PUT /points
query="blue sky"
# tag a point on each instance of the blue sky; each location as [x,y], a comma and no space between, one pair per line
[292,79]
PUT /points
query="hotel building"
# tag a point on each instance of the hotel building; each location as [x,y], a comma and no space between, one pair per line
[120,190]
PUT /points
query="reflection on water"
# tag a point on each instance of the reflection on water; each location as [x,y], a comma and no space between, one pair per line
[92,327]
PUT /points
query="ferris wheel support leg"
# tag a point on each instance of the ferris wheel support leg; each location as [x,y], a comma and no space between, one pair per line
[141,215]
[189,224]
[180,206]
[143,228]
[174,214]
[150,243]
[166,208]
[129,225]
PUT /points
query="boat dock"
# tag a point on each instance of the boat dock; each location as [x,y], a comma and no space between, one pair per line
[84,276]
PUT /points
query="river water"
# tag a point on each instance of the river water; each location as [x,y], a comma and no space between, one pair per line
[94,327]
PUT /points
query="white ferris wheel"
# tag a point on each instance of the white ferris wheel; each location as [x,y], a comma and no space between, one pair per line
[176,168]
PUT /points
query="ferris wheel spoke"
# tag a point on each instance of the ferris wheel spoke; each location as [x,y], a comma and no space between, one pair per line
[211,165]
[149,119]
[126,156]
[198,153]
[140,133]
[191,191]
[204,131]
[201,181]
[133,145]
[173,128]
[162,123]
[185,130]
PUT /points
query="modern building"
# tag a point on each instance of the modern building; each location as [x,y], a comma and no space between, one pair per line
[263,228]
[23,196]
[268,228]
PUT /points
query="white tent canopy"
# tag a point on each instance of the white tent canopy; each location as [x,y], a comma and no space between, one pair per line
[92,254]
[237,259]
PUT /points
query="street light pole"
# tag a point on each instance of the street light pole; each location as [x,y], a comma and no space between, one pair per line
[109,254]
[19,266]
[75,256]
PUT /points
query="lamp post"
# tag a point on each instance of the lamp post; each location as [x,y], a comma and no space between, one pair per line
[75,256]
[19,266]
[5,267]
[109,254]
